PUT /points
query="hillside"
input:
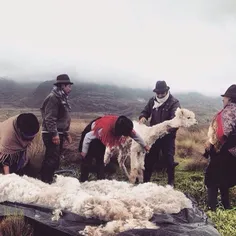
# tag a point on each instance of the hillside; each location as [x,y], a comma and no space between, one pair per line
[105,99]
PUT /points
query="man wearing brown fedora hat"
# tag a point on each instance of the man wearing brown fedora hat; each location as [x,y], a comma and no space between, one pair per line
[55,112]
[160,108]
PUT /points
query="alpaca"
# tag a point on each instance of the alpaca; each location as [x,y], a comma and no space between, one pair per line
[183,118]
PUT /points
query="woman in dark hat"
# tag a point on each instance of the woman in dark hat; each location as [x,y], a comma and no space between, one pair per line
[106,131]
[221,171]
[16,134]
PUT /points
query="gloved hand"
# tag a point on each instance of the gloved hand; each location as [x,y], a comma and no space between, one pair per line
[143,120]
[56,140]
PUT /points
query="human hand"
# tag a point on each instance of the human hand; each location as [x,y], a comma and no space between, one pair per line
[56,140]
[6,170]
[171,129]
[68,138]
[147,148]
[82,155]
[207,145]
[143,120]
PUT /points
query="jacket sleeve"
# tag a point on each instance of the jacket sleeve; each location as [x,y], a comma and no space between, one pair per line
[87,140]
[136,137]
[174,108]
[172,114]
[229,126]
[147,111]
[51,114]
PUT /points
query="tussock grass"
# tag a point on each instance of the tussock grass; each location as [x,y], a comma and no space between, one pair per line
[15,226]
[190,145]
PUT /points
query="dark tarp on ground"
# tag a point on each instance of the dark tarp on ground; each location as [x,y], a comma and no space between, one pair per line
[40,217]
[188,222]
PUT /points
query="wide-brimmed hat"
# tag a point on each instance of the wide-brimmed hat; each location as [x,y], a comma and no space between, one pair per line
[161,87]
[63,79]
[230,92]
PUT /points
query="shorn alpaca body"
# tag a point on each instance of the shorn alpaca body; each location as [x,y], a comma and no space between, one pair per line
[183,118]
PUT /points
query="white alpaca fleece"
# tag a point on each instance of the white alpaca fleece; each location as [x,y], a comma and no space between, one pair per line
[183,118]
[122,204]
[117,226]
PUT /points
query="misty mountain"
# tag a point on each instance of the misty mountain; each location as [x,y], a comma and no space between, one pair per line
[106,99]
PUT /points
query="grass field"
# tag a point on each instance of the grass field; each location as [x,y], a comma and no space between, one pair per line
[189,173]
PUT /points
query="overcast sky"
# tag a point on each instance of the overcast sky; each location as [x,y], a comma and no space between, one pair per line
[189,43]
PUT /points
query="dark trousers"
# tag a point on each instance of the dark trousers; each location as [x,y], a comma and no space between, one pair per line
[96,151]
[51,160]
[167,146]
[212,197]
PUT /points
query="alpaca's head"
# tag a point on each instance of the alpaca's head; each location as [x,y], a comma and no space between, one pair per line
[185,117]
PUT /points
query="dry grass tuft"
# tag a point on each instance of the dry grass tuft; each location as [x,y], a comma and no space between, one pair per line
[15,226]
[197,164]
[190,145]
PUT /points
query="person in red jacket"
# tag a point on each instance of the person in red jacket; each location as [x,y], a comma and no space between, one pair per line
[106,131]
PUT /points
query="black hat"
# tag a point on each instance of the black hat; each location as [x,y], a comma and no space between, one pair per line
[161,87]
[63,79]
[123,126]
[230,92]
[28,125]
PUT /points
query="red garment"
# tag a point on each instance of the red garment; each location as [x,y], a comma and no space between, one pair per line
[220,130]
[107,126]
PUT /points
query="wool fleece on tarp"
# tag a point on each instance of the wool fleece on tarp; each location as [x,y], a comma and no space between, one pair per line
[114,205]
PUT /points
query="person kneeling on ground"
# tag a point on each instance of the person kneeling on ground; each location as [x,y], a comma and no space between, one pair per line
[16,134]
[106,131]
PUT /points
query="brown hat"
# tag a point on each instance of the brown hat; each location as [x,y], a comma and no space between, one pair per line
[161,87]
[230,92]
[63,79]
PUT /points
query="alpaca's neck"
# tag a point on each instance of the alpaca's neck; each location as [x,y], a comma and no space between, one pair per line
[159,130]
[175,122]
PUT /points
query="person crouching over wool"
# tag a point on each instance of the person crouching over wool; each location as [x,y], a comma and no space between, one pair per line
[16,134]
[106,131]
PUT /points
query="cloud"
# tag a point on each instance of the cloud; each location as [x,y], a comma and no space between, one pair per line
[190,44]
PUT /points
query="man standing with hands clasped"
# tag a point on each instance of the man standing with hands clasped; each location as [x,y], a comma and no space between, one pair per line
[56,124]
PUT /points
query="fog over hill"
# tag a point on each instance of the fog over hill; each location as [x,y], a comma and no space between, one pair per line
[103,98]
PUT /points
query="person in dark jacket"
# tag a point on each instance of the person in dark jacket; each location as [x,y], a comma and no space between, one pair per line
[106,131]
[55,112]
[160,108]
[221,148]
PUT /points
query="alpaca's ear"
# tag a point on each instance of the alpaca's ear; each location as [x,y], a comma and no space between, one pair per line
[177,111]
